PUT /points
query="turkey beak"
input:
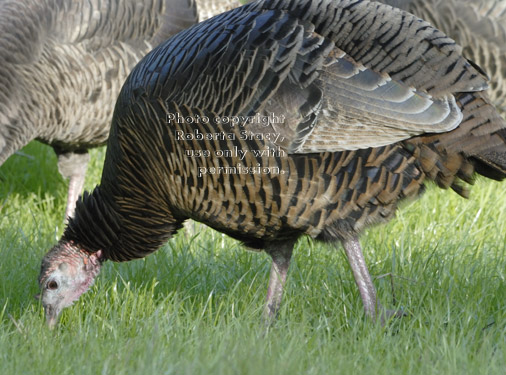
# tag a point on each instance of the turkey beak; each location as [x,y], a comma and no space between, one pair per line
[52,315]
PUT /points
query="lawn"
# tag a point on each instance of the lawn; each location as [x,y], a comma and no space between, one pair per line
[194,307]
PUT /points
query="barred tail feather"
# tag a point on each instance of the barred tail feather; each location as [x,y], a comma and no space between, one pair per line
[478,145]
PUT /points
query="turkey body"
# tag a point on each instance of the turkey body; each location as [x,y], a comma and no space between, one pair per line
[479,26]
[62,65]
[280,119]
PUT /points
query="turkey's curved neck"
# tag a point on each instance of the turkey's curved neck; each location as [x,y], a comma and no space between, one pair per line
[102,222]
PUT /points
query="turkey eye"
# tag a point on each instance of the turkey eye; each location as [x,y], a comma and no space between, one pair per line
[52,285]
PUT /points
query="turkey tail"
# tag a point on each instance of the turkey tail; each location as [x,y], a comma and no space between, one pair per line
[478,144]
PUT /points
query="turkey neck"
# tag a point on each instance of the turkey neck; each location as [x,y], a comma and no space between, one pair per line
[101,223]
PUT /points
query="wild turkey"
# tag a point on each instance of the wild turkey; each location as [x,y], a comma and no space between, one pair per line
[62,65]
[479,26]
[343,102]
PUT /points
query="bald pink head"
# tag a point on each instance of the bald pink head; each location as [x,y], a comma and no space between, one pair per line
[67,271]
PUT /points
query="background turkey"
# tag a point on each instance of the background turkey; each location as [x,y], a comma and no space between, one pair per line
[479,26]
[210,8]
[62,65]
[369,113]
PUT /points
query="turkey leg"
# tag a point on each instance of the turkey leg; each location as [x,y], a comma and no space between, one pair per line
[73,166]
[281,256]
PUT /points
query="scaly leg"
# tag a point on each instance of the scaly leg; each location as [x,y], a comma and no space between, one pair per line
[281,256]
[362,277]
[73,166]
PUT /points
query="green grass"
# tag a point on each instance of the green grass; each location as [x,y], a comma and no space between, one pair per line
[194,307]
